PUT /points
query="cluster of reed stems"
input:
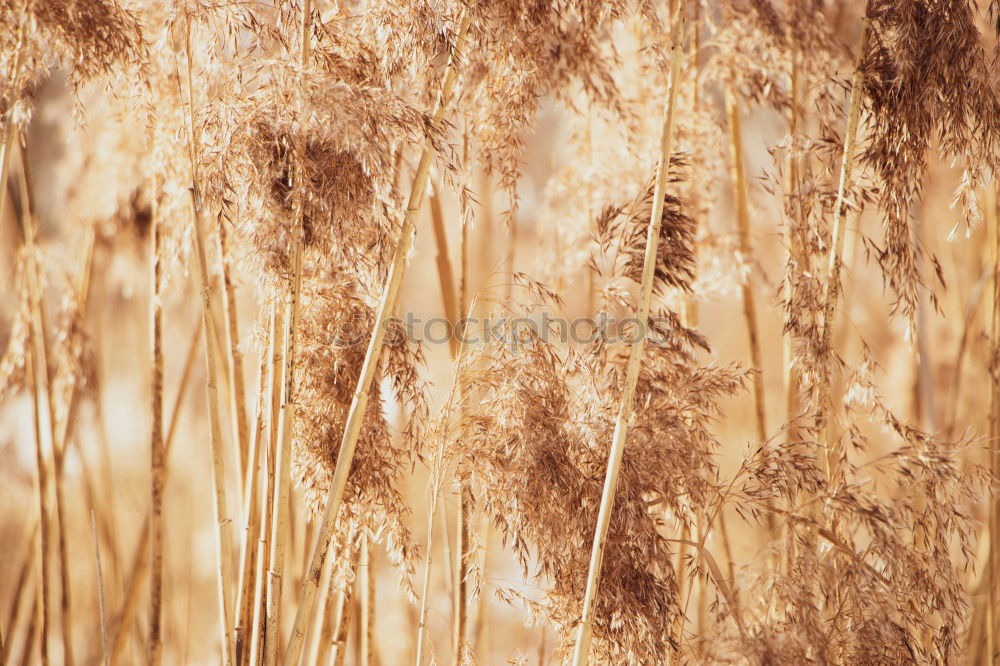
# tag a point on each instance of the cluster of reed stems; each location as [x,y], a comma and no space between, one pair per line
[286,150]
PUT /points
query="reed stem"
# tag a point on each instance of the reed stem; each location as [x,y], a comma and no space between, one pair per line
[833,452]
[581,653]
[743,224]
[155,655]
[223,520]
[352,431]
[100,592]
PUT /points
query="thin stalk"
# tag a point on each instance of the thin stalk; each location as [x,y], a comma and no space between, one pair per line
[267,514]
[482,605]
[37,365]
[833,452]
[461,571]
[251,526]
[279,526]
[237,390]
[448,297]
[43,513]
[795,255]
[743,223]
[100,592]
[223,520]
[10,129]
[328,637]
[345,455]
[436,480]
[581,653]
[445,276]
[155,655]
[993,616]
[324,618]
[138,569]
[21,586]
[342,627]
[366,597]
[29,639]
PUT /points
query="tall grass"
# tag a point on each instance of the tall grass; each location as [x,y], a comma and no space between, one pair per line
[541,484]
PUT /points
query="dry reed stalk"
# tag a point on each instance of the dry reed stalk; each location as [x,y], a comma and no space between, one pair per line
[36,366]
[31,635]
[138,567]
[366,602]
[155,655]
[237,390]
[21,585]
[251,502]
[739,178]
[279,530]
[270,480]
[482,605]
[43,514]
[352,430]
[100,591]
[970,311]
[342,627]
[324,617]
[425,589]
[221,508]
[327,638]
[792,403]
[461,572]
[10,127]
[993,615]
[581,652]
[445,276]
[448,297]
[833,453]
[42,341]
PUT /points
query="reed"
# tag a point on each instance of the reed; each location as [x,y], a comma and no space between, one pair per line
[581,652]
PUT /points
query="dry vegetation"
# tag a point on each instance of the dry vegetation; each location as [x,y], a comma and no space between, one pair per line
[231,432]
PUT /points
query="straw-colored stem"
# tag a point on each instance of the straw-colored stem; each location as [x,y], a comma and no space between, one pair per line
[138,569]
[279,534]
[260,613]
[482,604]
[223,520]
[581,653]
[366,599]
[155,655]
[739,181]
[43,512]
[791,185]
[251,525]
[100,592]
[445,274]
[36,364]
[29,639]
[237,390]
[425,588]
[359,403]
[462,554]
[833,453]
[326,639]
[993,577]
[342,627]
[317,651]
[22,584]
[40,340]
